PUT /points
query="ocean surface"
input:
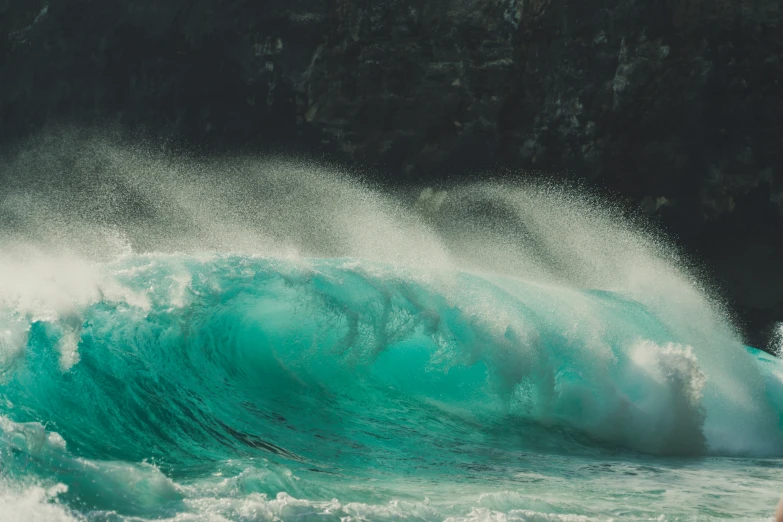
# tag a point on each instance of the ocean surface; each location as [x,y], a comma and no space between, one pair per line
[247,339]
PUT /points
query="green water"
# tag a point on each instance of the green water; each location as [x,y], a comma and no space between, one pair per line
[250,389]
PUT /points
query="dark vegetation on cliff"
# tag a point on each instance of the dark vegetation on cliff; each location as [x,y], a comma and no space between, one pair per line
[674,105]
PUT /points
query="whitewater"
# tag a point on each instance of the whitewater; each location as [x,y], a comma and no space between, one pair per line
[244,338]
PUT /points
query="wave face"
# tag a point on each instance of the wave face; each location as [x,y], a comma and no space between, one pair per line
[257,340]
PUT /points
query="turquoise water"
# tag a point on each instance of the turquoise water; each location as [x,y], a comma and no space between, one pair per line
[249,388]
[247,340]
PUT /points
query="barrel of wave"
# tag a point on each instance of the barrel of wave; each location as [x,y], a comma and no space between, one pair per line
[563,355]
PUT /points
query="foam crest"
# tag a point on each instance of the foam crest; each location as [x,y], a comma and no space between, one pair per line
[34,504]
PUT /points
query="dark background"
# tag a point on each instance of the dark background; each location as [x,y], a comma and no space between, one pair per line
[673,106]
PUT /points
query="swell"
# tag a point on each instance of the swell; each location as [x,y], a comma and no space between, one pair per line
[348,365]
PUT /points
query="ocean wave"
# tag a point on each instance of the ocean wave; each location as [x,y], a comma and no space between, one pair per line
[245,339]
[240,353]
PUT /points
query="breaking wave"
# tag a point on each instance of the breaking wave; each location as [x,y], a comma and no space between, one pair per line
[254,339]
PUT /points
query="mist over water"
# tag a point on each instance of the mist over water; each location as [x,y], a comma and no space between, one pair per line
[248,338]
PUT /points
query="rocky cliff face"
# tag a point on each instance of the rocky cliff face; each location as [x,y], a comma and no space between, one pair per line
[676,105]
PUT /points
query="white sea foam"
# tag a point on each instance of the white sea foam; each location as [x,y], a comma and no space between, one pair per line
[33,504]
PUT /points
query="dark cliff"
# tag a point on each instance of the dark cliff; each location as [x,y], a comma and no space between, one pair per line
[675,105]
